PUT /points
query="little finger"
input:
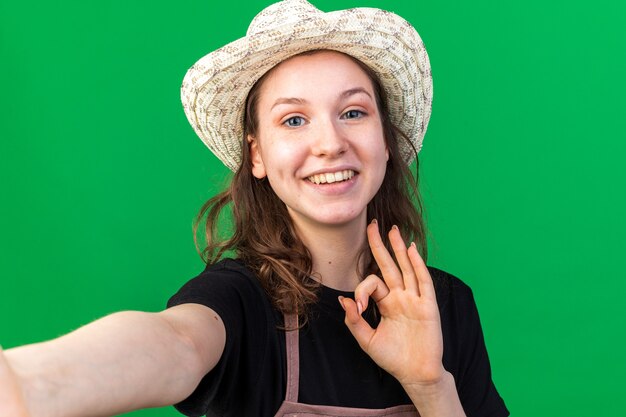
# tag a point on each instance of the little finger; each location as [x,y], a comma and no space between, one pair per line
[425,282]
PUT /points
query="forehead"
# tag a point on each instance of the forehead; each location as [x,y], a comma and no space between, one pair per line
[314,73]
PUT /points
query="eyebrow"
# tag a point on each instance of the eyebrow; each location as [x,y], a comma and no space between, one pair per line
[288,100]
[343,95]
[353,91]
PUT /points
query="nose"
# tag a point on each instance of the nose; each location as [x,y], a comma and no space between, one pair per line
[329,140]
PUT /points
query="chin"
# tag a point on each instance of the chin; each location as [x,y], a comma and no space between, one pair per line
[339,219]
[330,215]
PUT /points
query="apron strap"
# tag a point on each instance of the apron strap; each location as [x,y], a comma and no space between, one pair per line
[293,357]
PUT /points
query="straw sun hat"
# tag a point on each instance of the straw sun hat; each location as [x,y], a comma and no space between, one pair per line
[215,88]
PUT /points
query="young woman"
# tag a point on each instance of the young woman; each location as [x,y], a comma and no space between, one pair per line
[324,310]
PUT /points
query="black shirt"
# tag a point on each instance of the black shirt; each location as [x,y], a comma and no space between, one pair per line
[250,378]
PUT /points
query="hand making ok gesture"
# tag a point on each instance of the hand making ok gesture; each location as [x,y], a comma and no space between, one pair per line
[408,342]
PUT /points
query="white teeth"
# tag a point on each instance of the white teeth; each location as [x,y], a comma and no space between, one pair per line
[331,177]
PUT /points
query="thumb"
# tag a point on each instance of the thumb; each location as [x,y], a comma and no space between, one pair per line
[360,329]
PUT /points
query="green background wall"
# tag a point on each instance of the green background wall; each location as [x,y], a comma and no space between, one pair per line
[522,172]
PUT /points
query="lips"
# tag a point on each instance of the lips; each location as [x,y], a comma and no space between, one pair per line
[330,177]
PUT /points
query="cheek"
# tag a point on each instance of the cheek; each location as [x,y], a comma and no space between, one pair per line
[283,156]
[378,146]
[381,156]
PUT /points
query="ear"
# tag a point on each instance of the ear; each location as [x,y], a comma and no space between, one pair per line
[386,153]
[258,168]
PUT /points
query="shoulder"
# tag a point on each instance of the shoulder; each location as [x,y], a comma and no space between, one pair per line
[465,354]
[229,270]
[229,288]
[460,321]
[442,277]
[251,348]
[226,278]
[450,289]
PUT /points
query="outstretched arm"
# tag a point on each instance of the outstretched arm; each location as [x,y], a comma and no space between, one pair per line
[122,362]
[407,342]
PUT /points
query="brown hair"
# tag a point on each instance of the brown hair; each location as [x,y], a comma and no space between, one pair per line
[263,235]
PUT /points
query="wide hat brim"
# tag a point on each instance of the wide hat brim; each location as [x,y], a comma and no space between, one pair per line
[215,88]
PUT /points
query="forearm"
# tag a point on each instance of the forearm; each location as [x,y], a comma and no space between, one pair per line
[439,399]
[122,362]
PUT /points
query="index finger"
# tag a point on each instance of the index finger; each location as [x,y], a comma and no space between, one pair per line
[388,268]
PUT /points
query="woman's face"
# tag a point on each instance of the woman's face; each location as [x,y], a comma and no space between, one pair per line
[320,139]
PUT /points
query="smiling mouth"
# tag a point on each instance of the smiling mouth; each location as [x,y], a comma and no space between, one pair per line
[330,177]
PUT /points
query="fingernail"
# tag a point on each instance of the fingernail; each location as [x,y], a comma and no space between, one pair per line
[394,227]
[359,307]
[374,221]
[340,298]
[413,244]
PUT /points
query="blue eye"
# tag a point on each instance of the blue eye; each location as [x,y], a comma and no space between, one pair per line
[295,121]
[353,114]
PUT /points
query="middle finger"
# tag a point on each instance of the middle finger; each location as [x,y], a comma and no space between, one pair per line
[402,256]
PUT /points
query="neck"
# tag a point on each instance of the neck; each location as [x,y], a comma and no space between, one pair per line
[335,252]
